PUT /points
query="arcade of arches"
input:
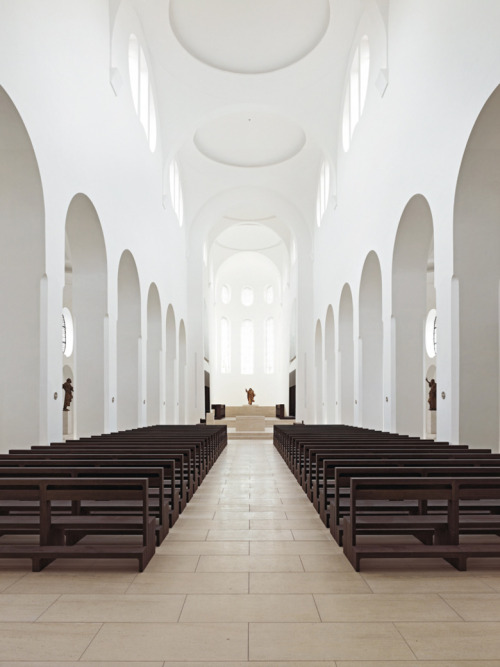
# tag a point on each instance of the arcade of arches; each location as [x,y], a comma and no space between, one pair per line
[120,232]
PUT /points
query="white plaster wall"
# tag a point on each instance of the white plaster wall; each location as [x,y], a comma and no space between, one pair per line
[444,62]
[55,66]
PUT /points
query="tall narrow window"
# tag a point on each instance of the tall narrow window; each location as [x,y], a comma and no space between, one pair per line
[247,296]
[225,346]
[323,192]
[269,346]
[176,192]
[225,294]
[356,91]
[142,93]
[247,347]
[269,295]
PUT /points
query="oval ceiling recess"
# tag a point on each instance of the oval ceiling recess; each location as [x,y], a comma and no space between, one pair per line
[249,36]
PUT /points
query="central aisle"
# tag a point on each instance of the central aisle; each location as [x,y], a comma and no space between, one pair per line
[249,574]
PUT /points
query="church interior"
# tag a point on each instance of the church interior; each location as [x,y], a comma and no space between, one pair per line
[248,215]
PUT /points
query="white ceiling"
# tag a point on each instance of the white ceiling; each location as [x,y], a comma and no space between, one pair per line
[249,94]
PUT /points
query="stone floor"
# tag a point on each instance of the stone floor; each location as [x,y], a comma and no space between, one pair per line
[250,574]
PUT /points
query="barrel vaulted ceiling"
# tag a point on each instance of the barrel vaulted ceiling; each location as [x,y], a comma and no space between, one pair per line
[249,97]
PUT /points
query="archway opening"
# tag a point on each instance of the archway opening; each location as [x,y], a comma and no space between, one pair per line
[85,295]
[22,268]
[331,393]
[170,357]
[409,307]
[128,341]
[153,356]
[477,267]
[371,344]
[346,356]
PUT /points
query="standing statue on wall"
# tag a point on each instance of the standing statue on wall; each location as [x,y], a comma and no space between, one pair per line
[250,395]
[432,393]
[68,394]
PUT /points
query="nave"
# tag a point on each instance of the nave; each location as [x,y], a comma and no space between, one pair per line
[249,574]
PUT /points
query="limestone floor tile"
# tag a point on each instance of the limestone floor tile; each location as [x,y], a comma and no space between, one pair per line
[226,535]
[259,507]
[115,608]
[45,641]
[48,583]
[203,548]
[24,608]
[9,578]
[72,663]
[493,582]
[415,663]
[184,583]
[170,641]
[326,641]
[475,607]
[266,502]
[323,534]
[326,563]
[366,608]
[224,505]
[251,516]
[306,512]
[307,582]
[294,548]
[199,524]
[198,513]
[161,563]
[290,524]
[259,663]
[186,535]
[425,584]
[248,608]
[250,564]
[452,641]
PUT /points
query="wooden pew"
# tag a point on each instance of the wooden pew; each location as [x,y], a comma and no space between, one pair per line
[53,527]
[447,527]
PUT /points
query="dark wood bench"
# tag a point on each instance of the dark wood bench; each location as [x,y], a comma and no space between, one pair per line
[159,507]
[446,526]
[57,532]
[326,492]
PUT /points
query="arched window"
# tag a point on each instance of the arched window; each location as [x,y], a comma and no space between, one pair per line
[269,295]
[356,91]
[142,92]
[176,192]
[431,333]
[225,346]
[225,294]
[247,347]
[67,333]
[247,296]
[269,346]
[323,192]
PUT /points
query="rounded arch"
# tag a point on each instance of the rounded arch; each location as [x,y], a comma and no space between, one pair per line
[23,281]
[182,373]
[346,356]
[153,355]
[331,393]
[477,269]
[409,308]
[371,343]
[86,296]
[170,357]
[128,342]
[318,364]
